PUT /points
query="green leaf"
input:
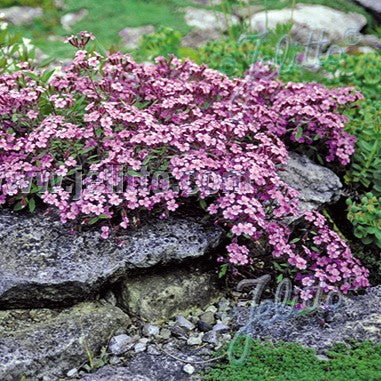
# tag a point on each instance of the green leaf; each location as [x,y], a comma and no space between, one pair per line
[18,206]
[299,133]
[31,205]
[223,271]
[133,173]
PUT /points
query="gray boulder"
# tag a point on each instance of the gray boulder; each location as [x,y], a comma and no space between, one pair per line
[372,6]
[206,25]
[37,343]
[42,263]
[312,22]
[316,184]
[20,15]
[132,36]
[70,19]
[157,297]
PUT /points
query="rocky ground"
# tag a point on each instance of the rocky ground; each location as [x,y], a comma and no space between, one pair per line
[75,306]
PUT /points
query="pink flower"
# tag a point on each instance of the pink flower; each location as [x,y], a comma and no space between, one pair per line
[105,232]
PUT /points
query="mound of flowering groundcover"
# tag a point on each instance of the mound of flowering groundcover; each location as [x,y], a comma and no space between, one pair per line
[108,137]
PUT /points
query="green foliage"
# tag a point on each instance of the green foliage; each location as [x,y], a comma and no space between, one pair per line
[12,50]
[363,72]
[366,218]
[163,42]
[234,56]
[27,3]
[293,362]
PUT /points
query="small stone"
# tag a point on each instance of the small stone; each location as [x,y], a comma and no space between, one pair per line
[224,317]
[179,332]
[70,19]
[208,317]
[211,337]
[224,305]
[120,344]
[195,340]
[212,309]
[114,360]
[189,369]
[140,347]
[204,327]
[72,372]
[151,330]
[165,333]
[221,328]
[184,323]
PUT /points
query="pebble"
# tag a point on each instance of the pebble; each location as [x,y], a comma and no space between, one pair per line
[140,347]
[204,327]
[184,323]
[208,317]
[195,340]
[189,369]
[210,337]
[165,333]
[221,328]
[212,309]
[120,344]
[151,330]
[72,372]
[224,305]
[179,332]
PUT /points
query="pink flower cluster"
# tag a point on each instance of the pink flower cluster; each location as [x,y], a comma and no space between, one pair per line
[214,138]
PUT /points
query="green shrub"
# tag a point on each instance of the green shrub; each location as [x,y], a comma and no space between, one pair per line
[363,72]
[163,42]
[366,218]
[27,3]
[293,362]
[13,50]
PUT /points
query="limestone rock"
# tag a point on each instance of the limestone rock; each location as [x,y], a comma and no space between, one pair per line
[372,6]
[120,344]
[156,297]
[44,264]
[20,15]
[206,25]
[316,184]
[132,36]
[41,342]
[311,20]
[70,19]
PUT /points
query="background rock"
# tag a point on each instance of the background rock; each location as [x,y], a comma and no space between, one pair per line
[21,15]
[132,36]
[44,264]
[206,25]
[160,296]
[48,343]
[316,21]
[373,7]
[70,19]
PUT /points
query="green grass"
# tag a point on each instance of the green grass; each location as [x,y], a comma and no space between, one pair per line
[292,362]
[105,20]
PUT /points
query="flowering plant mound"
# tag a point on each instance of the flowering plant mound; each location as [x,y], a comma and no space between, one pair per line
[148,136]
